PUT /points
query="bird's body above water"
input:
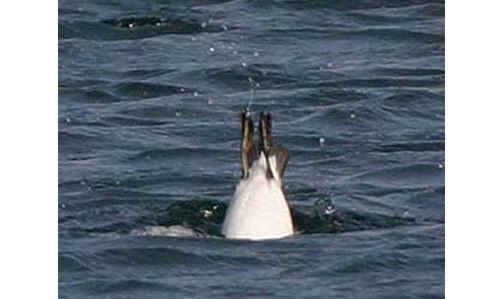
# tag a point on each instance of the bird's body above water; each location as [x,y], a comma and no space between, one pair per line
[259,209]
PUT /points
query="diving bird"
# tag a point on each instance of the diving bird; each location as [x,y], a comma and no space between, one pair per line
[259,208]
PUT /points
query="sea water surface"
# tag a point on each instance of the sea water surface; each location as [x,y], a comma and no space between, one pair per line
[149,99]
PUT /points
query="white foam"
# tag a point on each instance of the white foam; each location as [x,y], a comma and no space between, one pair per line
[163,231]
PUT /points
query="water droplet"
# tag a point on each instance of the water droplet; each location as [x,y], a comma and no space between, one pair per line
[182,89]
[257,84]
[117,182]
[256,54]
[440,165]
[235,52]
[325,207]
[352,115]
[195,94]
[224,27]
[68,120]
[207,213]
[321,141]
[211,49]
[244,64]
[320,201]
[130,25]
[330,64]
[157,24]
[203,24]
[330,209]
[210,102]
[178,114]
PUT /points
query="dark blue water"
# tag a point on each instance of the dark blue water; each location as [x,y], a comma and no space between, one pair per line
[149,100]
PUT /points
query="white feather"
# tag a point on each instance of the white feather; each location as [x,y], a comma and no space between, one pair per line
[259,209]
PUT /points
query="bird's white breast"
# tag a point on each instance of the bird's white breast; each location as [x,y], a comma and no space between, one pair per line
[259,209]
